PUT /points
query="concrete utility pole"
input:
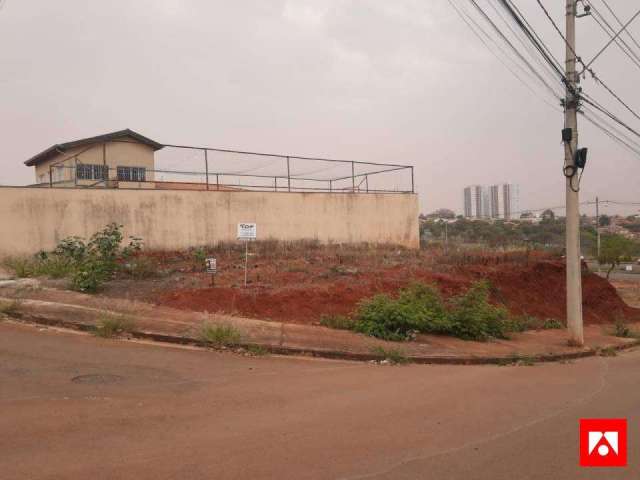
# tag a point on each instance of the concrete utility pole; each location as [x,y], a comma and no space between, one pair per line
[574,267]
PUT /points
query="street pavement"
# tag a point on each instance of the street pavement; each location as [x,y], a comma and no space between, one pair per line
[73,406]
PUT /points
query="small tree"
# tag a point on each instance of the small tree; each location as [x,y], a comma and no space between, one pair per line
[605,221]
[614,249]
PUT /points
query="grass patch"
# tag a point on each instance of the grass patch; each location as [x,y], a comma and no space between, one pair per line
[607,352]
[10,308]
[622,330]
[39,266]
[220,335]
[257,350]
[110,325]
[339,322]
[393,355]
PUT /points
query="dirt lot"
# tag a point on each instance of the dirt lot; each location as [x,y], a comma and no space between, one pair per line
[299,284]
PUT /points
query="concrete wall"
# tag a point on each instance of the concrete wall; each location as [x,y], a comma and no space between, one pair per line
[34,219]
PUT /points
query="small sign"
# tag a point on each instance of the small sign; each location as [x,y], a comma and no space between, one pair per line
[212,266]
[629,268]
[247,231]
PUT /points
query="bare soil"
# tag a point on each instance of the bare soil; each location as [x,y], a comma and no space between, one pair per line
[301,285]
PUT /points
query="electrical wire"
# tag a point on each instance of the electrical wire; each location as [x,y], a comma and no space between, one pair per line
[510,44]
[478,31]
[609,30]
[619,21]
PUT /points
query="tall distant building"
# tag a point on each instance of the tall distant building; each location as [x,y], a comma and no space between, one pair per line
[476,202]
[495,201]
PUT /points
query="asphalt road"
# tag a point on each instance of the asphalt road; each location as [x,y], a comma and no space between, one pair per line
[77,407]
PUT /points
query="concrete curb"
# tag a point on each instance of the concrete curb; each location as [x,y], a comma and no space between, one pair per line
[333,354]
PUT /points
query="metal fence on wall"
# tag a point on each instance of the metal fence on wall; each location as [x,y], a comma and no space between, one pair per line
[205,168]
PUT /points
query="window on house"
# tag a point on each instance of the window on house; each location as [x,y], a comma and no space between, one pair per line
[132,174]
[92,172]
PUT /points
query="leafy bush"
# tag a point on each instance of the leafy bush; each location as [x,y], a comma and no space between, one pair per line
[89,275]
[88,264]
[71,248]
[418,308]
[474,318]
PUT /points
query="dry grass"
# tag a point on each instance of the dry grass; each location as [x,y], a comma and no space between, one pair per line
[110,325]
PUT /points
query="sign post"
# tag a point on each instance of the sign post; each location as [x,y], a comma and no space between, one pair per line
[212,269]
[246,233]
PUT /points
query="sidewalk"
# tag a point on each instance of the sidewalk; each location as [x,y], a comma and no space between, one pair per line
[75,310]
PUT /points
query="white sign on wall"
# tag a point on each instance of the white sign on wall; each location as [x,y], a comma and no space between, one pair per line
[247,231]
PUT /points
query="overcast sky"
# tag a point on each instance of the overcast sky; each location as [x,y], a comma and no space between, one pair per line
[402,81]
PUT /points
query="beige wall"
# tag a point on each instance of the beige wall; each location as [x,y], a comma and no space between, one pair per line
[34,219]
[126,153]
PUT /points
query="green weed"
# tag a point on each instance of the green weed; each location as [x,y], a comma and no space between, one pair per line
[220,335]
[393,355]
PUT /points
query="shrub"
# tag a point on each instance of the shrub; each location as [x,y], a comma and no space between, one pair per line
[89,275]
[474,318]
[110,325]
[220,335]
[419,308]
[71,248]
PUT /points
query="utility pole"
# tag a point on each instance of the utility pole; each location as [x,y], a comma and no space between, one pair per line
[598,231]
[574,266]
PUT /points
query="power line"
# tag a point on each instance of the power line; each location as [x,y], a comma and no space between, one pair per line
[619,21]
[534,38]
[508,42]
[611,40]
[626,49]
[590,70]
[478,31]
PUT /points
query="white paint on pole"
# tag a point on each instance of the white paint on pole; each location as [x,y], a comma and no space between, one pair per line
[247,231]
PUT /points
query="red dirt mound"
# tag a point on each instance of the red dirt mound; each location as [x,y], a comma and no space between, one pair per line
[537,290]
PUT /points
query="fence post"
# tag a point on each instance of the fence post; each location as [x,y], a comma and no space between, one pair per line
[217,182]
[330,185]
[50,176]
[288,174]
[75,172]
[206,168]
[275,184]
[353,177]
[366,182]
[412,185]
